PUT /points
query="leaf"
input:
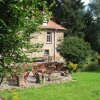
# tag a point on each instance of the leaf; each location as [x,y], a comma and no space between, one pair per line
[2,22]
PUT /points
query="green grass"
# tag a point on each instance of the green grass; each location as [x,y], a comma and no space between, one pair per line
[85,87]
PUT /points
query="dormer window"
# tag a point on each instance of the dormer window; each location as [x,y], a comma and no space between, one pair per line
[49,37]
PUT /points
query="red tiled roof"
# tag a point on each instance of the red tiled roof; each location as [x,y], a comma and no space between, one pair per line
[52,25]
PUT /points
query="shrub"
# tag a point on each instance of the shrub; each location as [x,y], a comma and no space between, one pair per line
[92,67]
[98,58]
[74,49]
[72,67]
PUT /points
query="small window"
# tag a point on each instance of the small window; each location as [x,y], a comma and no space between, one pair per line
[49,37]
[46,52]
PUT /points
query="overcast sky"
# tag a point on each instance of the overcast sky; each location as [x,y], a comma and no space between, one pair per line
[86,1]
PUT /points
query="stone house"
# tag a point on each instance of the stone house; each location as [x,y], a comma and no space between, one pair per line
[49,36]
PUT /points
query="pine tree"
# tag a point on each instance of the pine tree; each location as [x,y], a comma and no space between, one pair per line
[92,25]
[95,7]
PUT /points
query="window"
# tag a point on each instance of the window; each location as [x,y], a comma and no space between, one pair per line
[46,52]
[49,37]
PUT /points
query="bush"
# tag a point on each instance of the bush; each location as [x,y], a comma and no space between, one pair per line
[98,58]
[72,67]
[74,49]
[92,67]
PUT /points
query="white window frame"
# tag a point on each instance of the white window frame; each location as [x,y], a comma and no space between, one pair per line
[49,37]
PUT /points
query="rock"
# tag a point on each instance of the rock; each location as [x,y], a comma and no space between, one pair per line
[30,73]
[62,73]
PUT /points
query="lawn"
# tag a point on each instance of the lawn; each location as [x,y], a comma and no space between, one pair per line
[85,87]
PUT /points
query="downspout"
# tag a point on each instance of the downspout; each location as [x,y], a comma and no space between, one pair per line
[54,45]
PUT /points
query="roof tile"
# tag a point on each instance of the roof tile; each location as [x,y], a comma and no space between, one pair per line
[52,25]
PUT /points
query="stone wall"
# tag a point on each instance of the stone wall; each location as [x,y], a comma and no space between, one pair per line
[42,38]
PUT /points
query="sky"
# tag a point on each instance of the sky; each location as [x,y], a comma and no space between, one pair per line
[85,2]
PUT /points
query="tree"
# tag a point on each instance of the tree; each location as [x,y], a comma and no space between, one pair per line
[69,14]
[91,27]
[74,49]
[95,7]
[96,37]
[18,19]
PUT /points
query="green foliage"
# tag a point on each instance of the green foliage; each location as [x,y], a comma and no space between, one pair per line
[77,21]
[92,67]
[95,7]
[74,49]
[91,20]
[91,64]
[21,69]
[18,20]
[96,43]
[69,14]
[71,66]
[92,30]
[98,58]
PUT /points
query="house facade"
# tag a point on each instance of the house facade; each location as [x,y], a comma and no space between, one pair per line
[49,37]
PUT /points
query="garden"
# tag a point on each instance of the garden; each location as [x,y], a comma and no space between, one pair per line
[85,86]
[77,78]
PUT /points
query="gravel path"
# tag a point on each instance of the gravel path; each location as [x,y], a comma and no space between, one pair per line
[31,82]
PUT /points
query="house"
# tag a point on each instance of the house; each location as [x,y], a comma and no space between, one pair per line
[50,34]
